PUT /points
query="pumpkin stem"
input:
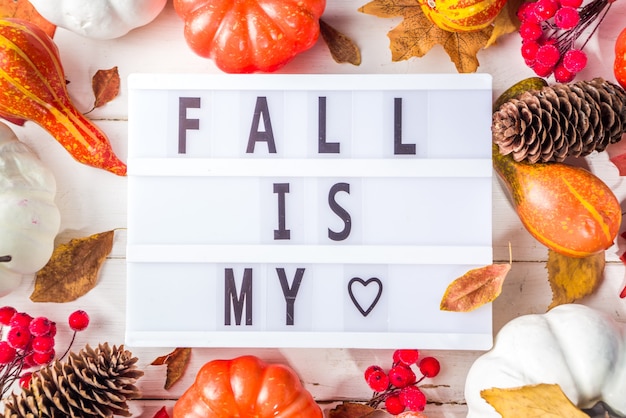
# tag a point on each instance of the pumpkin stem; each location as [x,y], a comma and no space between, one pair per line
[5,258]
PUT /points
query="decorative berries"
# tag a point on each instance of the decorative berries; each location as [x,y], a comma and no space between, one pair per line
[397,388]
[28,343]
[549,30]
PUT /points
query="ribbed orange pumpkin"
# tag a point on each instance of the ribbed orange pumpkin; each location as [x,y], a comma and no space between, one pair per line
[462,15]
[246,387]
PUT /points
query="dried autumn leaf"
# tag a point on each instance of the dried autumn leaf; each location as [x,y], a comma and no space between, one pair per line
[23,9]
[573,278]
[176,362]
[475,288]
[506,22]
[350,410]
[342,48]
[416,34]
[73,269]
[106,86]
[532,401]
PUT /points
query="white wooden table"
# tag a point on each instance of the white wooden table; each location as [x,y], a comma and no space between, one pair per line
[93,201]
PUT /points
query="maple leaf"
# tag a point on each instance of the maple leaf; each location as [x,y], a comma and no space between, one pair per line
[417,34]
[176,362]
[532,401]
[73,269]
[475,288]
[573,278]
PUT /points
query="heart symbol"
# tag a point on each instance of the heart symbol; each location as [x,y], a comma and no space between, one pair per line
[365,283]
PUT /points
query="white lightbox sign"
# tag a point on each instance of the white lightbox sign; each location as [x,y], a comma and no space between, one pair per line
[306,210]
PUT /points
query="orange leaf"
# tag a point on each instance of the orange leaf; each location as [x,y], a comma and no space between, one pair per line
[532,401]
[73,269]
[416,34]
[106,86]
[350,410]
[176,362]
[475,288]
[572,278]
[22,9]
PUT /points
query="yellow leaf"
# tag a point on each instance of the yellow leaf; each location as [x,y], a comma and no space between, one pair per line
[475,288]
[506,22]
[573,278]
[73,269]
[416,34]
[532,401]
[176,362]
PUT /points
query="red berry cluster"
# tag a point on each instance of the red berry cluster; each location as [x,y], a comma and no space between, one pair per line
[397,388]
[28,342]
[549,30]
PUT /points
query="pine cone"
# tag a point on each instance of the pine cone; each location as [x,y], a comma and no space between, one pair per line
[562,120]
[92,383]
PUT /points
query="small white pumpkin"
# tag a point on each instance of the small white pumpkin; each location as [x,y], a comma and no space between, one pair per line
[574,346]
[29,217]
[99,19]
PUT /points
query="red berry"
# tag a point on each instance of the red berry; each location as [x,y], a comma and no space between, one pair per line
[413,398]
[406,357]
[7,353]
[78,320]
[401,375]
[562,74]
[19,337]
[571,3]
[6,313]
[43,358]
[53,329]
[530,31]
[541,70]
[566,18]
[575,60]
[25,380]
[372,369]
[20,319]
[378,381]
[529,50]
[548,55]
[526,13]
[161,413]
[429,366]
[394,405]
[42,344]
[545,9]
[40,326]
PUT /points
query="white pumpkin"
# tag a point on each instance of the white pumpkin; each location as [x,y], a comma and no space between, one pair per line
[574,346]
[29,217]
[99,19]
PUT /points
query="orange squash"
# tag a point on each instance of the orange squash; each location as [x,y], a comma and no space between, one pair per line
[619,65]
[246,387]
[462,15]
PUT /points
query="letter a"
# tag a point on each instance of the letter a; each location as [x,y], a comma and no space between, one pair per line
[261,110]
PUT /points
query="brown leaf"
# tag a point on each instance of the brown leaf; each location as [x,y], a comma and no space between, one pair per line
[176,362]
[350,410]
[73,269]
[342,48]
[22,9]
[506,22]
[106,86]
[573,278]
[416,34]
[475,288]
[532,401]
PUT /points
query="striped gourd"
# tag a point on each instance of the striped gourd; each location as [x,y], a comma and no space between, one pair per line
[462,15]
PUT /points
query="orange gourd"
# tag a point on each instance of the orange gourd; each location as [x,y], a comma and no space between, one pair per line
[462,15]
[619,67]
[246,387]
[566,208]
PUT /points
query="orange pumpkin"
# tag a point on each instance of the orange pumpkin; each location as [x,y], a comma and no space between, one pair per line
[246,387]
[462,15]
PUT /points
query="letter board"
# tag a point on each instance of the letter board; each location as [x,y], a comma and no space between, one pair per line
[306,210]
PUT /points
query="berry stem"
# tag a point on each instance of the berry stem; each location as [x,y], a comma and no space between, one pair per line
[5,258]
[67,350]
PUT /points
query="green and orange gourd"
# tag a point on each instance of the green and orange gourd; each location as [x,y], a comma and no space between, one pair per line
[462,15]
[33,88]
